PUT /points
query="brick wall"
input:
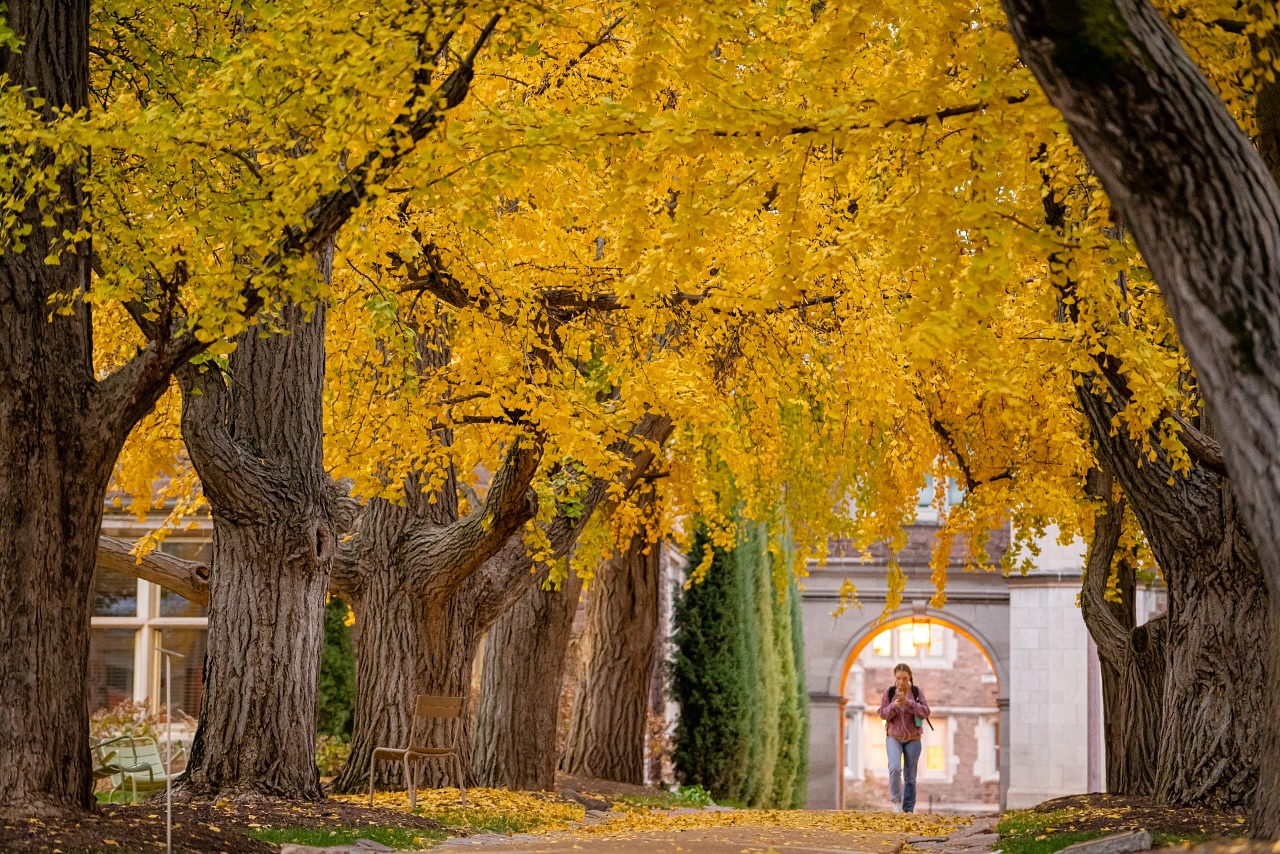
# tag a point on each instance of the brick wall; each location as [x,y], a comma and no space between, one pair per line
[956,683]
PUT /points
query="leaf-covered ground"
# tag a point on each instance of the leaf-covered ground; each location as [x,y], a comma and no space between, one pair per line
[538,821]
[1053,825]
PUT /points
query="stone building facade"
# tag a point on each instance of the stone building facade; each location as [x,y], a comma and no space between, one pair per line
[1007,663]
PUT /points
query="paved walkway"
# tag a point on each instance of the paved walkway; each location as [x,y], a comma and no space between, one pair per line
[723,840]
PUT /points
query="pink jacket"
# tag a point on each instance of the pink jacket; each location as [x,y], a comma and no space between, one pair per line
[900,721]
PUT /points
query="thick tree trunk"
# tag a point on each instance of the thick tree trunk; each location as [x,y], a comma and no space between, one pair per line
[417,585]
[257,718]
[1134,710]
[481,579]
[1132,657]
[519,741]
[257,443]
[523,675]
[408,646]
[1266,809]
[1201,204]
[1216,629]
[58,441]
[1266,805]
[1217,668]
[1205,212]
[610,713]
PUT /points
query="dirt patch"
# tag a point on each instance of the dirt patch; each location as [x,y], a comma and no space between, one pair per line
[198,828]
[594,786]
[1133,812]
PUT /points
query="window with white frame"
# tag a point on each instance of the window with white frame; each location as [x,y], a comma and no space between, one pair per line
[131,619]
[919,644]
[986,767]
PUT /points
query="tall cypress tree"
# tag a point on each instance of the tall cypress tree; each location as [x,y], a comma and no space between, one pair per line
[790,727]
[800,793]
[738,676]
[711,738]
[761,670]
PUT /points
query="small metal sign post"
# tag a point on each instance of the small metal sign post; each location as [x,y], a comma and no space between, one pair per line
[169,656]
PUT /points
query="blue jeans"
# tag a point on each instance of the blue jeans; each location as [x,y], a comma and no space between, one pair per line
[903,757]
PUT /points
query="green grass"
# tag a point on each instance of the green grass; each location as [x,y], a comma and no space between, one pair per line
[400,838]
[694,797]
[475,821]
[1027,832]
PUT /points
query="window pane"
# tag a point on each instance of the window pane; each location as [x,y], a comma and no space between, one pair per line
[188,672]
[925,498]
[906,644]
[935,758]
[937,637]
[171,604]
[882,644]
[110,667]
[114,594]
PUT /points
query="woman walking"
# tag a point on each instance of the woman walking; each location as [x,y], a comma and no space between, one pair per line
[904,710]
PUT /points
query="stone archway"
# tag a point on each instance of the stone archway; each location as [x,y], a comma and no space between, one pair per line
[991,648]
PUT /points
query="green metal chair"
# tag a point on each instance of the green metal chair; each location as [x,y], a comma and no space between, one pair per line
[131,760]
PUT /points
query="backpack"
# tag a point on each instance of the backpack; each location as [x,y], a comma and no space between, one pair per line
[915,695]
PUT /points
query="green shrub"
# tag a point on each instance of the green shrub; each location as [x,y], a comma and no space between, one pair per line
[336,695]
[789,725]
[801,792]
[331,754]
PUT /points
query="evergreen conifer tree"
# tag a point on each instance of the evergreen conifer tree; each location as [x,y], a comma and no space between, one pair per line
[761,670]
[789,724]
[800,793]
[711,738]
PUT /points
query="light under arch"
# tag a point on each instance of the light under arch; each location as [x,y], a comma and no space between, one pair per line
[863,636]
[867,631]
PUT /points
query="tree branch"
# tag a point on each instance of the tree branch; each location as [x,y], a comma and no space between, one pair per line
[224,466]
[438,559]
[1111,636]
[130,392]
[189,579]
[504,578]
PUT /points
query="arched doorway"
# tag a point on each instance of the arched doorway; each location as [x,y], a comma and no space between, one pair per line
[959,769]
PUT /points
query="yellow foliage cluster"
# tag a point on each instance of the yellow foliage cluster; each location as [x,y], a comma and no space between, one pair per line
[818,238]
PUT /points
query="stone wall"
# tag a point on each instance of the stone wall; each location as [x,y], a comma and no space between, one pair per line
[1048,691]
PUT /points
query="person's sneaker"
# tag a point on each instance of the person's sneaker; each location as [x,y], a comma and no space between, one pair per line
[896,806]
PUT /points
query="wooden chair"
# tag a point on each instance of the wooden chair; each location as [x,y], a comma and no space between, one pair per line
[425,708]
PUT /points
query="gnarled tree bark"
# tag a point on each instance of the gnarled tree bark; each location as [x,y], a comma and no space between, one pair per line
[416,580]
[522,679]
[189,579]
[517,737]
[611,711]
[1205,212]
[1132,656]
[256,440]
[1217,618]
[61,429]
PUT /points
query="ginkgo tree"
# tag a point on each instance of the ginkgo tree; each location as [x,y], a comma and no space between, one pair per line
[208,202]
[683,186]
